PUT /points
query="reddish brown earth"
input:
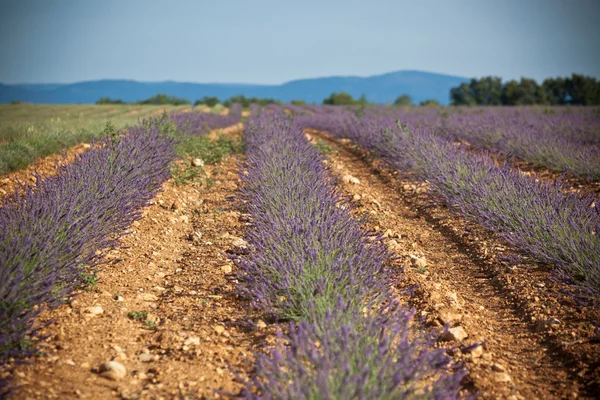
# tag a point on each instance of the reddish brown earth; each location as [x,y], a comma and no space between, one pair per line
[537,343]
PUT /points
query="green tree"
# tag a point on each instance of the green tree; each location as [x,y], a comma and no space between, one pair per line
[487,91]
[163,99]
[555,90]
[430,103]
[528,92]
[108,100]
[403,100]
[583,90]
[209,101]
[510,93]
[340,99]
[462,95]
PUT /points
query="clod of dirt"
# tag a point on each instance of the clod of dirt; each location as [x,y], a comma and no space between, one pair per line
[197,162]
[112,370]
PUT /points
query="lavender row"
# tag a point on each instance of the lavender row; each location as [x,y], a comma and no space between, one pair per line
[560,140]
[313,264]
[53,231]
[192,123]
[563,142]
[538,218]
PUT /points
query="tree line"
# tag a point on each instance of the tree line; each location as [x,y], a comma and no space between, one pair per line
[346,99]
[210,101]
[491,91]
[488,91]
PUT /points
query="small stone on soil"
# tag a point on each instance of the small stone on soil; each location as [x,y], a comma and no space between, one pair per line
[192,340]
[455,334]
[476,352]
[260,324]
[502,377]
[226,269]
[96,310]
[498,367]
[146,357]
[418,262]
[350,179]
[546,324]
[149,297]
[239,242]
[219,329]
[112,370]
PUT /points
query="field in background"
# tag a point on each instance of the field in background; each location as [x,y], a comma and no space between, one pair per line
[28,131]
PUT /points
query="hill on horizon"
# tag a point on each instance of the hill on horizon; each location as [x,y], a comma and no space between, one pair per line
[381,89]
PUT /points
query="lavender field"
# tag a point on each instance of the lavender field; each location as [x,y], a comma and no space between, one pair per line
[349,253]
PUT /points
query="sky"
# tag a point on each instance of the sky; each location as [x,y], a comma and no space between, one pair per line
[274,41]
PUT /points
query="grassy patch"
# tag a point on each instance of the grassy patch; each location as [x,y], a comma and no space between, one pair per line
[28,132]
[209,151]
[138,315]
[142,316]
[323,147]
[90,281]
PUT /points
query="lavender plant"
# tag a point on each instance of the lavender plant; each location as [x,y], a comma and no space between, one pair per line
[538,218]
[355,356]
[308,246]
[311,263]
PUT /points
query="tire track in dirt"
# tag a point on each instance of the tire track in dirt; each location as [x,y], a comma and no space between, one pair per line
[455,285]
[173,273]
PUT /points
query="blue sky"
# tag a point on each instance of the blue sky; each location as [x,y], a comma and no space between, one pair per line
[264,41]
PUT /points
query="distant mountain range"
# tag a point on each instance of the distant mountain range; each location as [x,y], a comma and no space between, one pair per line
[378,89]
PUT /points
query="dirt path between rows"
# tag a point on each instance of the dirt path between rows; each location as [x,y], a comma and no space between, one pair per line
[164,308]
[536,342]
